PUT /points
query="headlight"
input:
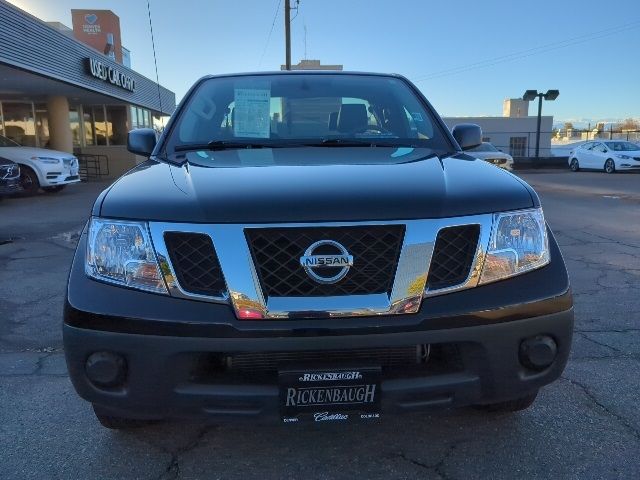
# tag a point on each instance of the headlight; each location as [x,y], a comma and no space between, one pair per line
[47,159]
[518,244]
[624,157]
[120,252]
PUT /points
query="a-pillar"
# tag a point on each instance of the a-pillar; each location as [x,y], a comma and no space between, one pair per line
[60,137]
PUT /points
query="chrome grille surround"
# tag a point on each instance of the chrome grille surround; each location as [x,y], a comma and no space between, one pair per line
[244,288]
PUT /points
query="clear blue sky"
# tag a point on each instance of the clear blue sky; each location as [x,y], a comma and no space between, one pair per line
[598,78]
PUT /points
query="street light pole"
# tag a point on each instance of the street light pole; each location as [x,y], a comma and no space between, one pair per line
[531,95]
[538,127]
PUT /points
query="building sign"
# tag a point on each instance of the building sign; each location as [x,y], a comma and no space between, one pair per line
[90,26]
[100,29]
[110,74]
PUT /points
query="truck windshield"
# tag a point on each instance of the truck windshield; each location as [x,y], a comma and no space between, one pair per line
[318,110]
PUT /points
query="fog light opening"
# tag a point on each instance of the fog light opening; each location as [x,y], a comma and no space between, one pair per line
[539,352]
[106,369]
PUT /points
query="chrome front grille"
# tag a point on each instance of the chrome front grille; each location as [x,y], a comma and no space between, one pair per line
[257,267]
[276,254]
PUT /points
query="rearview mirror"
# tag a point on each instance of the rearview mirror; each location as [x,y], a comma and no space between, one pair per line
[141,141]
[468,135]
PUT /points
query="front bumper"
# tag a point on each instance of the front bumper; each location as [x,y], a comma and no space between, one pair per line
[159,380]
[51,175]
[162,340]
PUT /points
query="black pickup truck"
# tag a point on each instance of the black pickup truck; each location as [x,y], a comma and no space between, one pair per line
[313,246]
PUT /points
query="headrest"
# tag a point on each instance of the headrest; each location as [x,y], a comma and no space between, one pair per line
[333,121]
[352,117]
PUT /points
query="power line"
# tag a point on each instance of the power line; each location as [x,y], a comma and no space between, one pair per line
[155,61]
[531,51]
[275,17]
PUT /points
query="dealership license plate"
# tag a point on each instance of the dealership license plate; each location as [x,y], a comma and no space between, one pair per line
[329,394]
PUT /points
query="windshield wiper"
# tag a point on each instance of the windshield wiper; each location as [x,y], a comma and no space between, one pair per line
[351,142]
[223,145]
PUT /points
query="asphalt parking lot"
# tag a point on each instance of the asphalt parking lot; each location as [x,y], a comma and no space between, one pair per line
[586,425]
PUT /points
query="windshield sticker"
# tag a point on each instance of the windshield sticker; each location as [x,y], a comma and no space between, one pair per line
[417,116]
[202,154]
[251,113]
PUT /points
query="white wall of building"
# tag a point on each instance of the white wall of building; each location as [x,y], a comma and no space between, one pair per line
[515,136]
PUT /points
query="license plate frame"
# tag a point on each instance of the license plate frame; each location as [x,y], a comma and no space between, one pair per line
[329,394]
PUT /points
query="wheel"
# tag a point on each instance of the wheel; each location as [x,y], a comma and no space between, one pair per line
[609,166]
[574,165]
[510,406]
[119,423]
[55,189]
[28,181]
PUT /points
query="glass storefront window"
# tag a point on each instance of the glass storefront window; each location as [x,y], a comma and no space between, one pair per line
[100,125]
[133,111]
[74,123]
[117,125]
[87,119]
[19,123]
[42,125]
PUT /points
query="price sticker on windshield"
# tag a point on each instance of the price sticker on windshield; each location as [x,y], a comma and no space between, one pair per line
[251,113]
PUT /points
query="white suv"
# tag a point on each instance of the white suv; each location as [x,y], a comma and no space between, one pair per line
[41,168]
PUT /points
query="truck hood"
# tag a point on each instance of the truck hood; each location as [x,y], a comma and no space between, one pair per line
[355,186]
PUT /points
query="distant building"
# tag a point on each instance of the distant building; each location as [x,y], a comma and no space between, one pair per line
[515,132]
[312,65]
[515,136]
[515,107]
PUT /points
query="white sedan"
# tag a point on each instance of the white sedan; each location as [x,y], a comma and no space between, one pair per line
[486,151]
[607,155]
[41,168]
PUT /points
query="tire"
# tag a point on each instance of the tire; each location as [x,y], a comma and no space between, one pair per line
[574,165]
[510,406]
[610,166]
[56,189]
[119,423]
[28,181]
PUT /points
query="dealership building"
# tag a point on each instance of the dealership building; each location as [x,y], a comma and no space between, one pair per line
[72,89]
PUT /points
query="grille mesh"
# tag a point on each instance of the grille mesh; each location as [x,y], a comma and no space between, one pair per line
[195,263]
[271,361]
[453,256]
[277,251]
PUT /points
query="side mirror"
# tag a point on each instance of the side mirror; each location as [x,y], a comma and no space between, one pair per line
[468,135]
[141,141]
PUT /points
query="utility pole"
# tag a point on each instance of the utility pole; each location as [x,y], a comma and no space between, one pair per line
[287,32]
